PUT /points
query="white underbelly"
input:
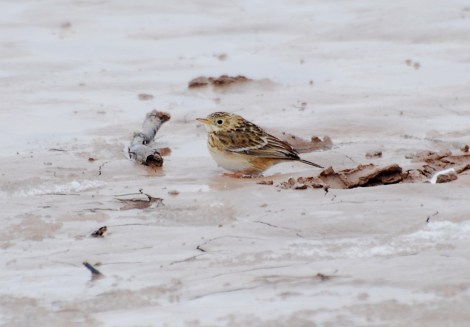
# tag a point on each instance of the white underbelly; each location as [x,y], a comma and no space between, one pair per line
[230,162]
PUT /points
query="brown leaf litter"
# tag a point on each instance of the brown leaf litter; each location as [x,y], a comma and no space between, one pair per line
[220,81]
[366,175]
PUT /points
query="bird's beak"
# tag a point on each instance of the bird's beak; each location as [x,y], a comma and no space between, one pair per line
[203,120]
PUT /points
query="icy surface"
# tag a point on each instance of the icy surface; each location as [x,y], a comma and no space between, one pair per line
[372,75]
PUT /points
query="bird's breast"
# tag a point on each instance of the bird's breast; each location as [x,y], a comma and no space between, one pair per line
[227,160]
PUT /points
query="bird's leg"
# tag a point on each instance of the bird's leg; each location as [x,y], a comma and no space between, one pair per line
[247,173]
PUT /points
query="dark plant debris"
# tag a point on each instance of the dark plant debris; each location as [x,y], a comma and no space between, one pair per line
[143,148]
[200,249]
[93,270]
[220,81]
[99,232]
[266,182]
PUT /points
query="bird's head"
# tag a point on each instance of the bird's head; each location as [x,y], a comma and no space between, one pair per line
[221,121]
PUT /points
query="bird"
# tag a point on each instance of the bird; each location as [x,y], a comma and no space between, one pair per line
[245,149]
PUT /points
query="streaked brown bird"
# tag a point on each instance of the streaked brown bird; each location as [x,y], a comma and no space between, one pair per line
[244,148]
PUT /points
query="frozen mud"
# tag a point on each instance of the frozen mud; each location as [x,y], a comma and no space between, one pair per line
[78,77]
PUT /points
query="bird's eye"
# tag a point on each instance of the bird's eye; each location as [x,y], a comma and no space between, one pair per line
[220,122]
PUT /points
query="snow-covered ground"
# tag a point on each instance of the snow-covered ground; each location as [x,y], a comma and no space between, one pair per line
[373,75]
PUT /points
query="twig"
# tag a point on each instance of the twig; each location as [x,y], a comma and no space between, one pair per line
[101,166]
[143,148]
[93,270]
[200,249]
[185,260]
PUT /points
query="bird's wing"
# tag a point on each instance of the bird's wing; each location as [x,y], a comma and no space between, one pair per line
[261,144]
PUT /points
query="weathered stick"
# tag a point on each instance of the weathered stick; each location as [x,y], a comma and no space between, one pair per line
[93,270]
[143,149]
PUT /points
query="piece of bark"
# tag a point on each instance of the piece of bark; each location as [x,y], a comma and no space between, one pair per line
[143,148]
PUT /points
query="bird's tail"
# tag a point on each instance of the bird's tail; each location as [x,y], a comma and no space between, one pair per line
[310,163]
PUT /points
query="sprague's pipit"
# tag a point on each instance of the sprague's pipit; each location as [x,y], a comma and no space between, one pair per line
[242,147]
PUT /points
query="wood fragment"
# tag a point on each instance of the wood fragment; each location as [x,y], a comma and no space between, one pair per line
[143,148]
[93,270]
[200,249]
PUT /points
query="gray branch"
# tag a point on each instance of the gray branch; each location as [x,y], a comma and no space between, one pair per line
[143,148]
